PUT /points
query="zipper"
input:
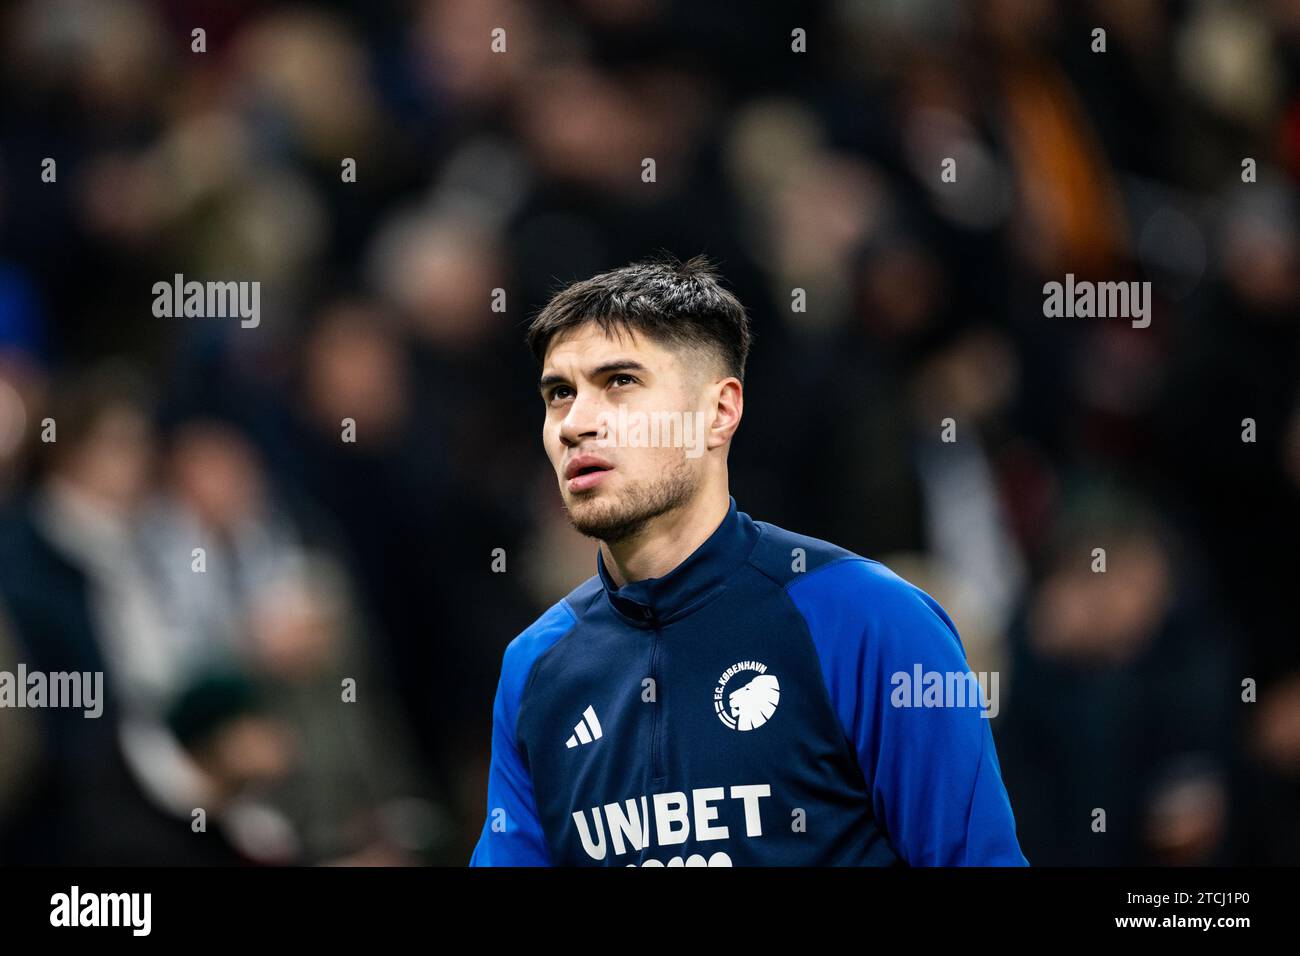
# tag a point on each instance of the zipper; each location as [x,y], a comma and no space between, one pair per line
[656,751]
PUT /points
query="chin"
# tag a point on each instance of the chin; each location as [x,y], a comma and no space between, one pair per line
[593,504]
[598,514]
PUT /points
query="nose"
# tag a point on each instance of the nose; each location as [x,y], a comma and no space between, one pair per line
[584,421]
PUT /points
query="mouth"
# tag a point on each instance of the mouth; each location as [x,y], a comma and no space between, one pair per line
[586,471]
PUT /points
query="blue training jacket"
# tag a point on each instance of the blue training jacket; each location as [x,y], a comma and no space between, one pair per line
[757,705]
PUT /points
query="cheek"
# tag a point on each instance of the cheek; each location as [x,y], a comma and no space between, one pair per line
[650,460]
[551,442]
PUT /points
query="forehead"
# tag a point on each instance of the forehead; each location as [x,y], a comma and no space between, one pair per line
[588,344]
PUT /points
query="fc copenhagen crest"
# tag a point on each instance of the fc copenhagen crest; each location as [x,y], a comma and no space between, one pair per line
[748,702]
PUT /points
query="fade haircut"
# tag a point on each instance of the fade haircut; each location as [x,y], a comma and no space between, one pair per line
[670,301]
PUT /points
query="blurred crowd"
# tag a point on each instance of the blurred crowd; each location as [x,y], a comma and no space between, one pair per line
[301,634]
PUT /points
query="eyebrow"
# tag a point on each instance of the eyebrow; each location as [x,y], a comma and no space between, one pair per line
[617,365]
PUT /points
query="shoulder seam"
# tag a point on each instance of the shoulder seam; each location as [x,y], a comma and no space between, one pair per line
[817,570]
[590,601]
[845,738]
[532,669]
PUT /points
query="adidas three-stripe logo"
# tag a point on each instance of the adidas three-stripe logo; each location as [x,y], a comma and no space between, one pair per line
[581,735]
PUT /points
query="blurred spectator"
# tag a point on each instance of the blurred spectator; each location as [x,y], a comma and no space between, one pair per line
[357,466]
[1119,726]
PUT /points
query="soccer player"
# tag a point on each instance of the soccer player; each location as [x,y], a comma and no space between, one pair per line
[722,691]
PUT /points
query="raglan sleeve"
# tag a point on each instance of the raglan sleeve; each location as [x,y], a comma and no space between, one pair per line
[915,715]
[512,833]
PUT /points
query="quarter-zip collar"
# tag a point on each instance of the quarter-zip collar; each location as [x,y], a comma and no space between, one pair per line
[653,601]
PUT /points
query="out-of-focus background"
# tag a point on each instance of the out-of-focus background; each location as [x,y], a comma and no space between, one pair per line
[372,560]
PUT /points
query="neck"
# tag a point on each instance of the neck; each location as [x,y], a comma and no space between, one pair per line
[666,541]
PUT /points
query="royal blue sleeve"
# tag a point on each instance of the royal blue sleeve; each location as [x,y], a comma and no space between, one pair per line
[932,771]
[512,833]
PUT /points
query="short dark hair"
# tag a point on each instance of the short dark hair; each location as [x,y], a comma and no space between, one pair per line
[668,300]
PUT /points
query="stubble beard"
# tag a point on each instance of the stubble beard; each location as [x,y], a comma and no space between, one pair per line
[615,521]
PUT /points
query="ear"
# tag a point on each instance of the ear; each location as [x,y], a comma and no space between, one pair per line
[728,405]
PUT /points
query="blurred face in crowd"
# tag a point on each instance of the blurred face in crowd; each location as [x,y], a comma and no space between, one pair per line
[612,481]
[293,627]
[1081,614]
[1277,727]
[114,460]
[216,473]
[354,368]
[248,751]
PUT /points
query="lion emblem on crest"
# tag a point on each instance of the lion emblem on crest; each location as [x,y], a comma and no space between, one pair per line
[750,706]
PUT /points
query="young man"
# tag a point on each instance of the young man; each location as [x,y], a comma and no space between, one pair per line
[722,692]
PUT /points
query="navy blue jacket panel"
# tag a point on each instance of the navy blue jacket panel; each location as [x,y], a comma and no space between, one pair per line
[754,706]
